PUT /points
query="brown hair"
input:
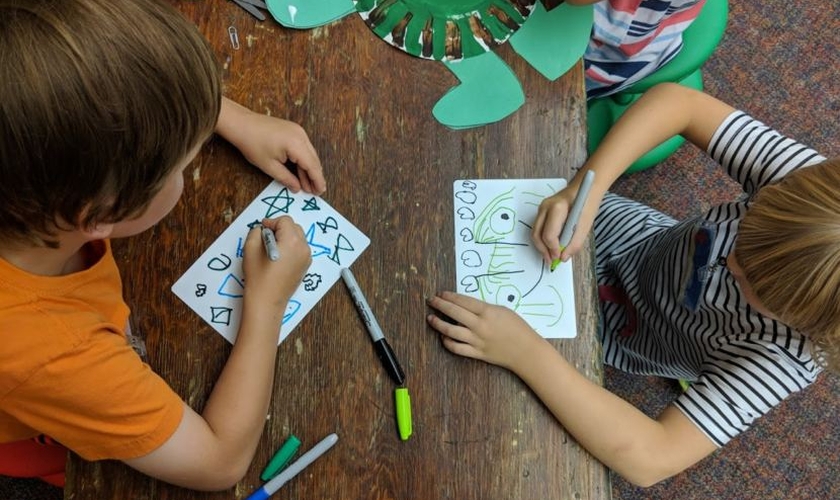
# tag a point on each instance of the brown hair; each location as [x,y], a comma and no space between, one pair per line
[789,248]
[101,100]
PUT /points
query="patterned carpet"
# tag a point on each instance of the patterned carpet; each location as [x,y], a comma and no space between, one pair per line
[778,61]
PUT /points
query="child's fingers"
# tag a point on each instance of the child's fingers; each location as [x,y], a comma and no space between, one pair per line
[306,183]
[457,313]
[460,348]
[553,226]
[307,161]
[536,232]
[253,241]
[286,177]
[574,246]
[465,302]
[455,332]
[316,181]
[276,223]
[286,230]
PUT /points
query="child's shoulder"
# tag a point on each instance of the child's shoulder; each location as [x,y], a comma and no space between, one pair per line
[54,314]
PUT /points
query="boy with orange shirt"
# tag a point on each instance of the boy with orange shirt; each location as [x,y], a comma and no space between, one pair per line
[97,125]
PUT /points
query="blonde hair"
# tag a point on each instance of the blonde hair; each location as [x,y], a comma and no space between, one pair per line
[101,100]
[789,248]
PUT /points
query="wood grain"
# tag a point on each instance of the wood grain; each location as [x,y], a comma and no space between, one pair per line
[479,433]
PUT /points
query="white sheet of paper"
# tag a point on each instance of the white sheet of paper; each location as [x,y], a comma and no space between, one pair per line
[213,285]
[496,261]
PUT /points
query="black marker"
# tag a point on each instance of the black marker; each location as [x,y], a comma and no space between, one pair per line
[383,350]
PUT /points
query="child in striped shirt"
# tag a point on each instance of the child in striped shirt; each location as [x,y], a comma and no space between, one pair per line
[743,301]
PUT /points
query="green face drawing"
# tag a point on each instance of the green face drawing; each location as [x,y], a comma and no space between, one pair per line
[505,280]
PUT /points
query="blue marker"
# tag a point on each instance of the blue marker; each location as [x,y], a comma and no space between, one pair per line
[307,458]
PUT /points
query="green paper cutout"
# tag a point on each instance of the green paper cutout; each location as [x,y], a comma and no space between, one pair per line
[304,14]
[489,90]
[474,103]
[553,41]
[445,29]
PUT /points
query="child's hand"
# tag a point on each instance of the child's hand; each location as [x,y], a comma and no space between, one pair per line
[491,333]
[272,283]
[269,143]
[551,217]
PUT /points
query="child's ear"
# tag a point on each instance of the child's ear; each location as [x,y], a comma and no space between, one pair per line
[97,231]
[92,229]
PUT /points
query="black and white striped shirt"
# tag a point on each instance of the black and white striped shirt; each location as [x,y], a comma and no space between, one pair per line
[687,317]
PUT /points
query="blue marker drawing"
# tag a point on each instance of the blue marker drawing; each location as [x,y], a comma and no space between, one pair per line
[310,204]
[317,249]
[291,309]
[231,287]
[214,286]
[278,203]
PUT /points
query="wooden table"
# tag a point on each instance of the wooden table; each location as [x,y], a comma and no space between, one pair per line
[479,432]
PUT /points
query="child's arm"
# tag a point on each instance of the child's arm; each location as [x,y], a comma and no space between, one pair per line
[641,449]
[213,450]
[269,143]
[663,112]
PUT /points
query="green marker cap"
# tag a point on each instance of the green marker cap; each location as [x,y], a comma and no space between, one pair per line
[403,403]
[281,458]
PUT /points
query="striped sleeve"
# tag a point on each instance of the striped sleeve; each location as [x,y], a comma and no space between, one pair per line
[754,154]
[742,381]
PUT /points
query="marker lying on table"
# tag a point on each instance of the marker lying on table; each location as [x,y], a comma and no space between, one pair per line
[307,458]
[574,214]
[402,402]
[270,243]
[383,350]
[281,458]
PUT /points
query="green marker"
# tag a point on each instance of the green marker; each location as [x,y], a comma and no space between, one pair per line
[403,403]
[281,458]
[574,214]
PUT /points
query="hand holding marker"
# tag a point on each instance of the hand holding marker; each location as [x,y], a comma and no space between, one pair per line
[574,214]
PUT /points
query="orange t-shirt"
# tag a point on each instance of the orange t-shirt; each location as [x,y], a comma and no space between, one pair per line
[67,370]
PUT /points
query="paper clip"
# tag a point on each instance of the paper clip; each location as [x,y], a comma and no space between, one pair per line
[234,37]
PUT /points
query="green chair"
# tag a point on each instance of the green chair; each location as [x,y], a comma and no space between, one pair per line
[699,41]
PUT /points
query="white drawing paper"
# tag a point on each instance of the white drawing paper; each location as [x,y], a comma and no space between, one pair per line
[496,261]
[213,285]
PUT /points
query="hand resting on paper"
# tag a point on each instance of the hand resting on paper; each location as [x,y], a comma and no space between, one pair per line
[491,333]
[270,144]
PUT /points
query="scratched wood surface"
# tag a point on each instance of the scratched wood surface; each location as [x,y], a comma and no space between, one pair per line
[479,433]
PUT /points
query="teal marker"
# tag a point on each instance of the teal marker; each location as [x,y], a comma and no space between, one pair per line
[281,458]
[574,214]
